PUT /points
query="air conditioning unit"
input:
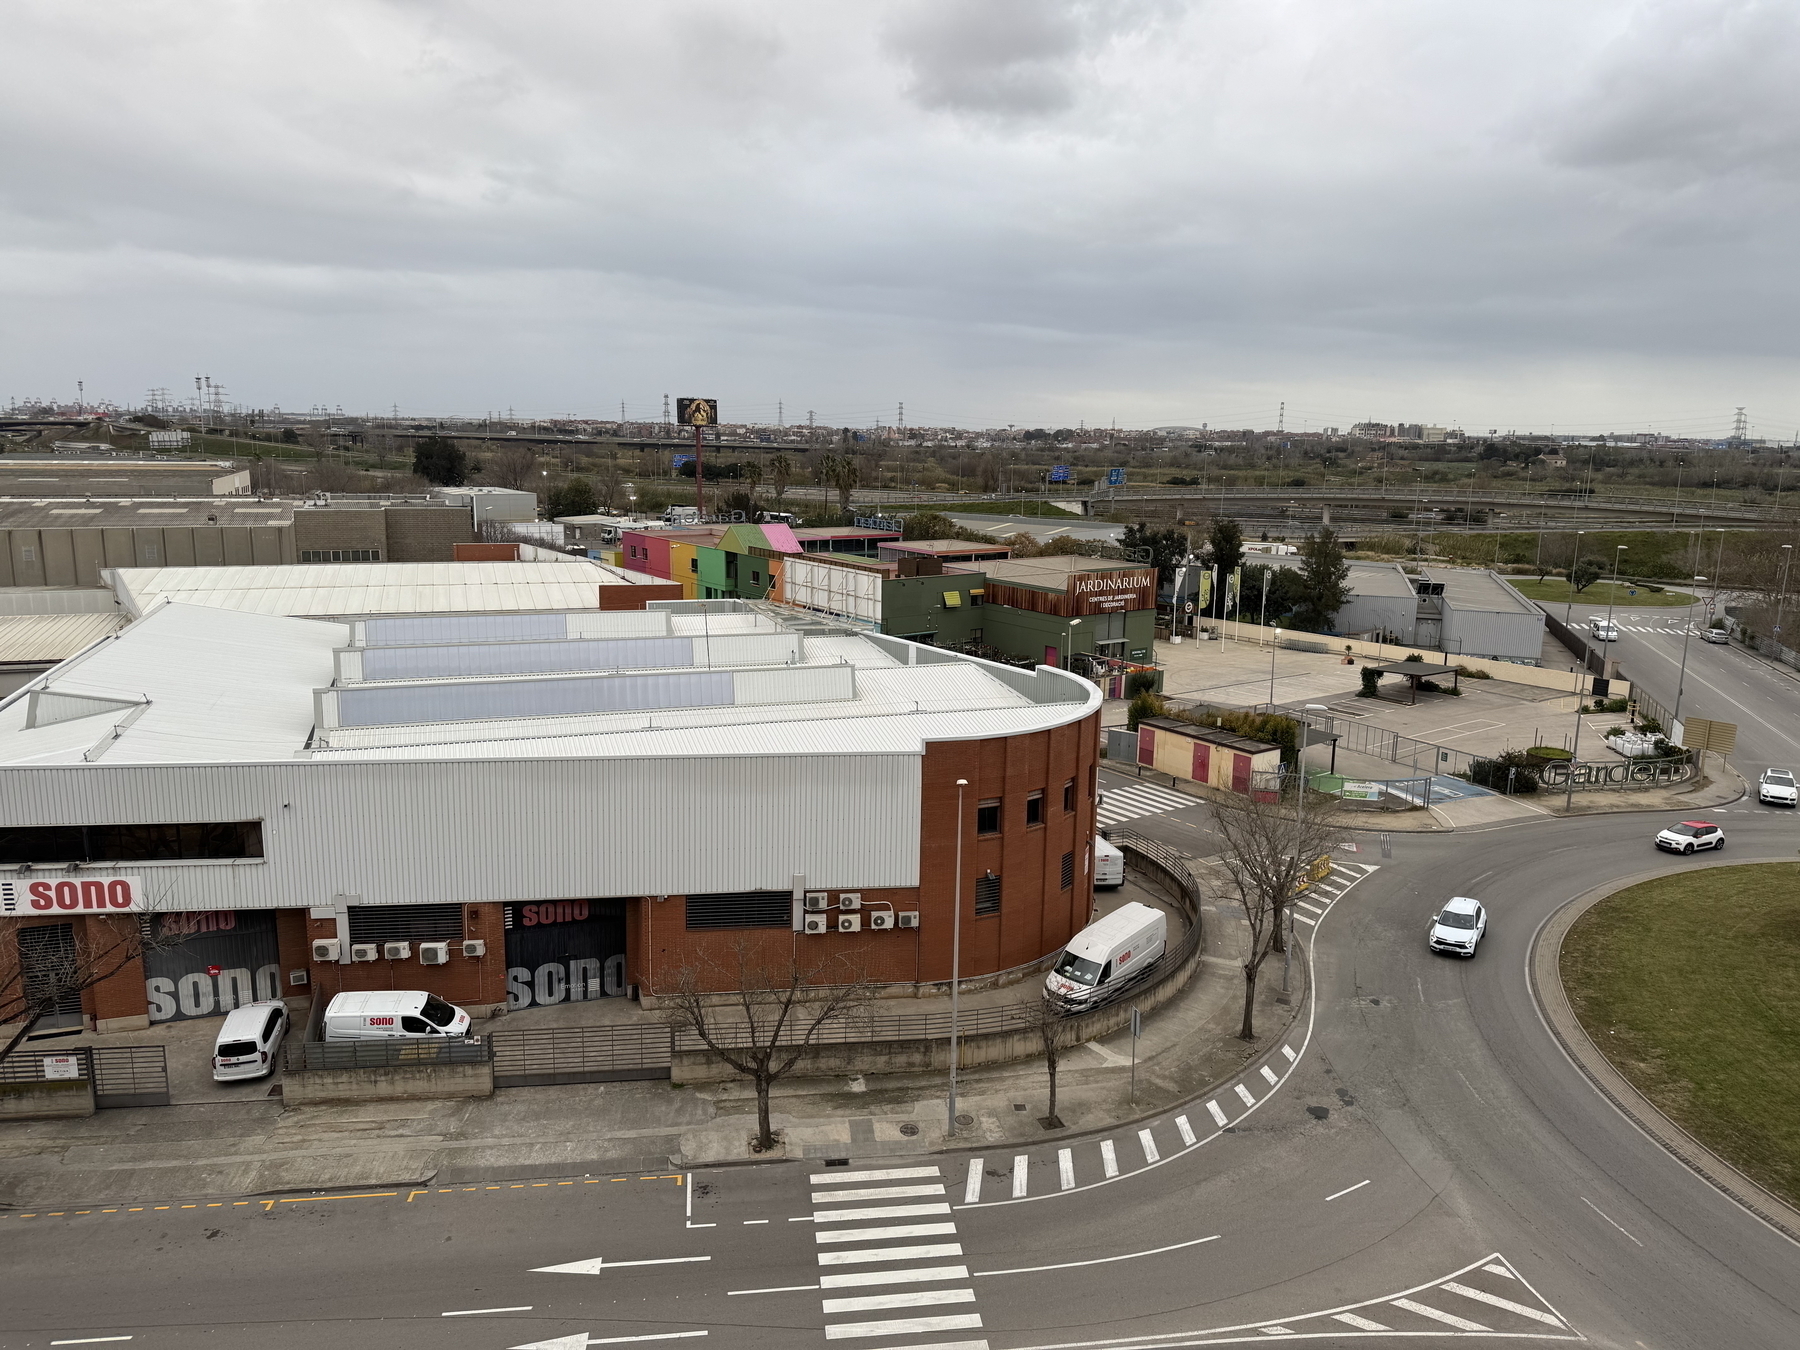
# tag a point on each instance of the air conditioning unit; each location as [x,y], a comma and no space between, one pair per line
[849,899]
[364,951]
[474,947]
[817,923]
[325,949]
[881,918]
[298,977]
[397,951]
[817,900]
[434,953]
[849,923]
[909,918]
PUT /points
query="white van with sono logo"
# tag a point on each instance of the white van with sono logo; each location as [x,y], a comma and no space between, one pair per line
[387,1014]
[1099,956]
[1109,866]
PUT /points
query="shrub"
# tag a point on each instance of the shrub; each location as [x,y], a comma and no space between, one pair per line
[1144,704]
[1615,731]
[1468,674]
[1516,765]
[1650,726]
[1139,682]
[1415,657]
[1371,679]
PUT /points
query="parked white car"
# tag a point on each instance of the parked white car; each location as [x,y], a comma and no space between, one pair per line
[1691,835]
[249,1040]
[1776,787]
[1458,927]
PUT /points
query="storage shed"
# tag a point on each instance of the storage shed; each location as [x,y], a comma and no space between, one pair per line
[1211,755]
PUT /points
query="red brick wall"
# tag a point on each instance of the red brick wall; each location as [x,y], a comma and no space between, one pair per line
[466,981]
[619,596]
[484,552]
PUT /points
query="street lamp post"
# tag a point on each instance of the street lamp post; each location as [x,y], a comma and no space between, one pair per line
[1569,795]
[1069,644]
[1787,556]
[1681,676]
[956,958]
[1569,608]
[1606,640]
[1273,648]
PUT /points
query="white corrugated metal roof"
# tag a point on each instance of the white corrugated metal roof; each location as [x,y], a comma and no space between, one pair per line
[53,637]
[331,589]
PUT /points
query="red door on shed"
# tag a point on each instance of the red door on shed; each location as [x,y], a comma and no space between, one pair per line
[1240,773]
[1146,745]
[1202,762]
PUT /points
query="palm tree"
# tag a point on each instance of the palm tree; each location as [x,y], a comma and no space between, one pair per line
[842,474]
[781,473]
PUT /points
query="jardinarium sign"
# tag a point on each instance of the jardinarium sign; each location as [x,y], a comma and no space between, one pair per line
[1634,774]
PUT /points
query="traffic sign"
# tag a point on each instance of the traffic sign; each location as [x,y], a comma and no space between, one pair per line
[1059,473]
[683,459]
[1115,478]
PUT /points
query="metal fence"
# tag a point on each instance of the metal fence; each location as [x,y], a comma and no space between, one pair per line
[1380,743]
[541,1056]
[301,1056]
[122,1075]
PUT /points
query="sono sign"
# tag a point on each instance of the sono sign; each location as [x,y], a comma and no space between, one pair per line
[90,895]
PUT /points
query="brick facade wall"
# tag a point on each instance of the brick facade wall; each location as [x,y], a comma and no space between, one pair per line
[426,533]
[472,982]
[324,528]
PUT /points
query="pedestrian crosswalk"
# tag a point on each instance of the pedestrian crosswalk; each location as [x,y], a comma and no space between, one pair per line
[1140,799]
[1033,1176]
[887,1259]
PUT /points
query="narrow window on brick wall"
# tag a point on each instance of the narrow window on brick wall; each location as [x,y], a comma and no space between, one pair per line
[1034,809]
[1069,795]
[987,817]
[987,895]
[1068,869]
[333,555]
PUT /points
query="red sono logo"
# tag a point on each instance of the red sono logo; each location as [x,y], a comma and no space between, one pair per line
[102,895]
[559,911]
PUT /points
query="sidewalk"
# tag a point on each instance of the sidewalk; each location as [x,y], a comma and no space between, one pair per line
[251,1145]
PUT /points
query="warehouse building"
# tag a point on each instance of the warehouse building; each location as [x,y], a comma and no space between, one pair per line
[504,809]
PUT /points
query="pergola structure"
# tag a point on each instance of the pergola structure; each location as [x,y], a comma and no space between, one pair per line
[1415,672]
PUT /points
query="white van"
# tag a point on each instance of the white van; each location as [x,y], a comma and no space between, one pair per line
[681,515]
[1109,865]
[1121,944]
[385,1014]
[1602,631]
[249,1041]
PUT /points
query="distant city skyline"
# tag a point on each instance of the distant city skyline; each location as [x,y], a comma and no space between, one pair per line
[1526,216]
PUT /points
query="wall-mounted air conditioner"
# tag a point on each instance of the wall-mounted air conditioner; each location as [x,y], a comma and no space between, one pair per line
[817,923]
[434,953]
[325,949]
[474,947]
[397,951]
[364,951]
[849,899]
[881,918]
[849,923]
[817,900]
[909,918]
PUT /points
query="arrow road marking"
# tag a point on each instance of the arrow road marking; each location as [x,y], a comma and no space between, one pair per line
[600,1263]
[581,1339]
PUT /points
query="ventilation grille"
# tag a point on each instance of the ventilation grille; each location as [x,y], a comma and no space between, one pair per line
[406,923]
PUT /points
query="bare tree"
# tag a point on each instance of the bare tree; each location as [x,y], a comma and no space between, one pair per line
[1271,847]
[37,974]
[760,1011]
[1056,1033]
[609,477]
[512,466]
[843,475]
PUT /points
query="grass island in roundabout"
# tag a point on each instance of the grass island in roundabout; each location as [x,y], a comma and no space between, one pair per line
[1690,985]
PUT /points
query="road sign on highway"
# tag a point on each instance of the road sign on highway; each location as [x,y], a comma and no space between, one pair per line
[1059,473]
[1702,733]
[1115,478]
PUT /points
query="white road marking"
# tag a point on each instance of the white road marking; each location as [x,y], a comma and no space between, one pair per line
[924,1249]
[1148,1143]
[877,1212]
[1276,1331]
[1112,1058]
[1099,1260]
[1495,1268]
[749,1222]
[1359,1185]
[570,1342]
[1217,1114]
[885,1174]
[878,1193]
[1602,1213]
[1360,1323]
[905,1326]
[1244,1094]
[1065,1167]
[1109,1158]
[600,1263]
[918,1275]
[1448,1319]
[876,1234]
[1288,1050]
[1269,1075]
[916,1298]
[1301,918]
[464,1312]
[1187,1130]
[1310,909]
[778,1289]
[91,1340]
[972,1188]
[1482,1296]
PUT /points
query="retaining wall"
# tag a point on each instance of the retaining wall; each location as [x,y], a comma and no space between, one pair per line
[399,1082]
[55,1099]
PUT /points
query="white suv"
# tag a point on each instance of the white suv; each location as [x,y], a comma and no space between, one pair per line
[1457,928]
[1776,787]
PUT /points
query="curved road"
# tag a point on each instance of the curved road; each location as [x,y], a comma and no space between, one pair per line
[1428,1166]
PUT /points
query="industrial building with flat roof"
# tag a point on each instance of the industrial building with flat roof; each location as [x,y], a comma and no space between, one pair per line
[579,804]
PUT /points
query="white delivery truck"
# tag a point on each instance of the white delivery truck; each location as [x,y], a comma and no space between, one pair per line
[386,1014]
[681,515]
[1109,865]
[1123,943]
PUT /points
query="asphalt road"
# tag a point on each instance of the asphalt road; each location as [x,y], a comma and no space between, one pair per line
[1427,1165]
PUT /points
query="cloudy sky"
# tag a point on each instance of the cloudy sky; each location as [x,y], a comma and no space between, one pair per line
[1490,213]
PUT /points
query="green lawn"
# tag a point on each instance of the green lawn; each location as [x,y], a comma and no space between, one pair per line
[1691,986]
[1555,590]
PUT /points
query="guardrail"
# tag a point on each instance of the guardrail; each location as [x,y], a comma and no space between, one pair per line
[122,1075]
[413,1052]
[542,1056]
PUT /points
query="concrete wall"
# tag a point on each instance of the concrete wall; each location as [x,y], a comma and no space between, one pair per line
[1476,632]
[74,555]
[408,1082]
[50,1100]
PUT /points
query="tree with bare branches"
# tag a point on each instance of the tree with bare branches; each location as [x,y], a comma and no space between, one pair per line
[1055,1029]
[1272,842]
[39,972]
[760,1010]
[512,466]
